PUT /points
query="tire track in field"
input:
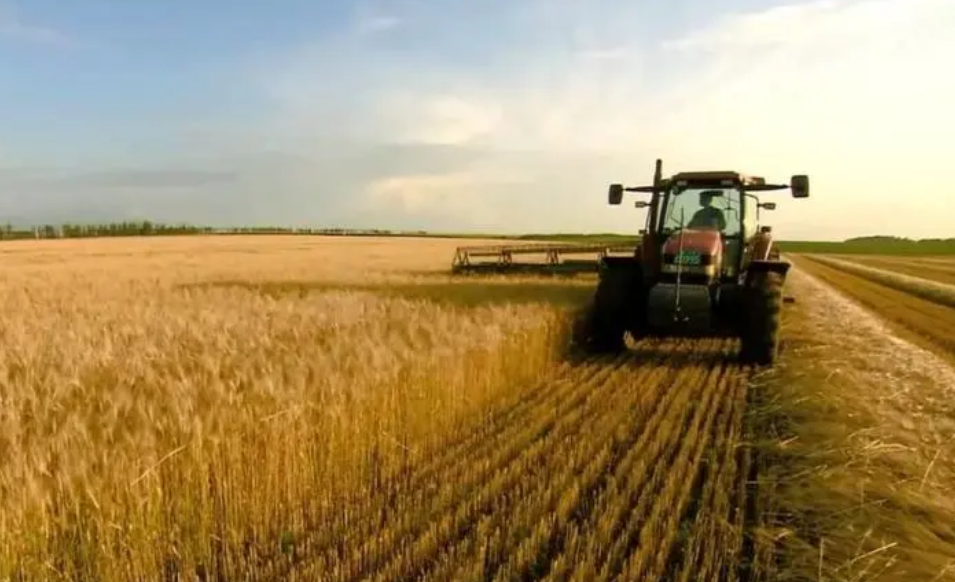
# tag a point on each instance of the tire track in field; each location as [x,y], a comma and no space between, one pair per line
[612,467]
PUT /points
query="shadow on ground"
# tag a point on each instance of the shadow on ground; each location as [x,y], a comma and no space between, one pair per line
[473,293]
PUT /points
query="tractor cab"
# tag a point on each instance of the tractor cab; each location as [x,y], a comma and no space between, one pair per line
[705,225]
[700,229]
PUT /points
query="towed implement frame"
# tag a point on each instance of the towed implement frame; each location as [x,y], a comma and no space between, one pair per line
[546,259]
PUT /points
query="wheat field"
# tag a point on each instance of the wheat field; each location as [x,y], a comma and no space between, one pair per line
[339,409]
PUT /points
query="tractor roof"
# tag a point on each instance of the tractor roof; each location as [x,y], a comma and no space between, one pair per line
[717,177]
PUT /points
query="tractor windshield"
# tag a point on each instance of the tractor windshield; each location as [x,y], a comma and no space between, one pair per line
[702,208]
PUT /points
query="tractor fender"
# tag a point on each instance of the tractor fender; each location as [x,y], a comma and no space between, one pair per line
[763,246]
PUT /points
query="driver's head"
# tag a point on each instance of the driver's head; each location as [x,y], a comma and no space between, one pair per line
[706,197]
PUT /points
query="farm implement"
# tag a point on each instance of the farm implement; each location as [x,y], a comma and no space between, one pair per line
[704,267]
[536,259]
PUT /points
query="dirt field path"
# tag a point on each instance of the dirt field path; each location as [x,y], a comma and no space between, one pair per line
[622,469]
[866,456]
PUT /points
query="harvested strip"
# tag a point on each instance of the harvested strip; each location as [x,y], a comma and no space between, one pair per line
[590,537]
[929,290]
[714,545]
[675,441]
[648,559]
[612,454]
[927,323]
[518,485]
[539,524]
[596,548]
[592,529]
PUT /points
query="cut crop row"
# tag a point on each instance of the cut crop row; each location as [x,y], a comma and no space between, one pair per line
[940,271]
[928,323]
[922,288]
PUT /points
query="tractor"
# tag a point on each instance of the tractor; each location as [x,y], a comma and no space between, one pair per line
[703,267]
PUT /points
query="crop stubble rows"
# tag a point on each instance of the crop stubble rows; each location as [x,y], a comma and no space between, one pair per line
[614,470]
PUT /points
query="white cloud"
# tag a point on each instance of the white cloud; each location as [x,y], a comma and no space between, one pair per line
[442,119]
[431,195]
[373,18]
[850,91]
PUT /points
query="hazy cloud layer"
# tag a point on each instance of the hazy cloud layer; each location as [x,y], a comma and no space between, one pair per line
[15,28]
[516,120]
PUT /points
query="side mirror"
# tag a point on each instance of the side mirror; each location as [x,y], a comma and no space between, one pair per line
[768,205]
[799,185]
[615,194]
[641,204]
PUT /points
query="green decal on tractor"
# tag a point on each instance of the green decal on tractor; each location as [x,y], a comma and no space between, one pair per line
[688,258]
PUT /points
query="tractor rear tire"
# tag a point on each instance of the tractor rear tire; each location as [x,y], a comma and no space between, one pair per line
[761,328]
[605,323]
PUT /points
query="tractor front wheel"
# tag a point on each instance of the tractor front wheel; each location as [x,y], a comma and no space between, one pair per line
[603,326]
[761,327]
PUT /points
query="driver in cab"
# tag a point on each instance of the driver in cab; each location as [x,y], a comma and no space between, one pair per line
[708,217]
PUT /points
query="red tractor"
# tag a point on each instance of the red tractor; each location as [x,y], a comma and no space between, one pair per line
[704,267]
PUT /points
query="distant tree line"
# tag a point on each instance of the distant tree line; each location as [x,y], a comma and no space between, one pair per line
[877,245]
[870,244]
[149,228]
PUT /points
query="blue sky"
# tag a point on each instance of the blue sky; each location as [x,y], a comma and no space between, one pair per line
[472,115]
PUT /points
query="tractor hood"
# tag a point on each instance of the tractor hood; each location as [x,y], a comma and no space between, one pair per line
[706,243]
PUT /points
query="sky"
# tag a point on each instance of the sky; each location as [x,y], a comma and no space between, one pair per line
[464,115]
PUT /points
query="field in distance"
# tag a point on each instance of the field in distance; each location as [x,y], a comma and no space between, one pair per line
[334,408]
